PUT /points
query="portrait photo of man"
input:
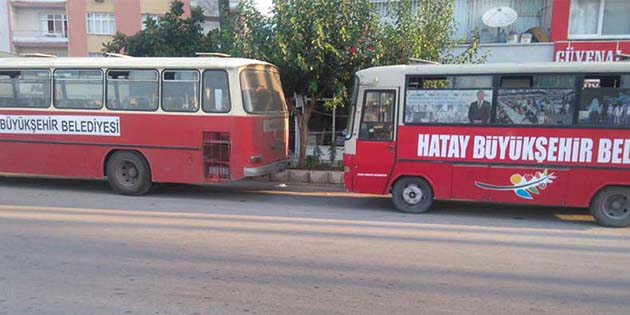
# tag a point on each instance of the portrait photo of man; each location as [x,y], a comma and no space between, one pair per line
[479,110]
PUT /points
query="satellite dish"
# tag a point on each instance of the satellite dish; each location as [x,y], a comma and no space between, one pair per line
[499,17]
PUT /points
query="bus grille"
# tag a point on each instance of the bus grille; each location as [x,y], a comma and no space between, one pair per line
[216,155]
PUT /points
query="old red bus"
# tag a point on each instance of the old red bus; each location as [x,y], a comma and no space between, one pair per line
[137,121]
[539,134]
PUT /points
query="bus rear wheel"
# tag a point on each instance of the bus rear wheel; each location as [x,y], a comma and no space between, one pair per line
[611,207]
[128,173]
[412,195]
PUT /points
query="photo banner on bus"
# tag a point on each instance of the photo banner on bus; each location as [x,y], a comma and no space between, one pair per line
[60,125]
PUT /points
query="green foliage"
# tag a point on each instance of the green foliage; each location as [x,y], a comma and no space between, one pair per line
[423,32]
[321,43]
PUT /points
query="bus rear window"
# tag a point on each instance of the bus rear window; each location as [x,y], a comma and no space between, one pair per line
[262,92]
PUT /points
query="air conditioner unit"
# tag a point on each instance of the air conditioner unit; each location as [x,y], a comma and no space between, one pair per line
[101,1]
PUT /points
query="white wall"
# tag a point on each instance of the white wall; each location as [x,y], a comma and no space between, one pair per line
[518,53]
[5,44]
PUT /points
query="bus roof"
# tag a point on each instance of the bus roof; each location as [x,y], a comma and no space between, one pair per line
[130,62]
[494,68]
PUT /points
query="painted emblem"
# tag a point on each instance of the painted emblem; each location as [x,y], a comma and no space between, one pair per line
[524,186]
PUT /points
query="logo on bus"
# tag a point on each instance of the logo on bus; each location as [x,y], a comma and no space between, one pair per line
[524,186]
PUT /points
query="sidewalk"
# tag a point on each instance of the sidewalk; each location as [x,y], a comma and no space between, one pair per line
[293,176]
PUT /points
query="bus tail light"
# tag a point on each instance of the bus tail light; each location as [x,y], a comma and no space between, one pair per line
[216,155]
[256,159]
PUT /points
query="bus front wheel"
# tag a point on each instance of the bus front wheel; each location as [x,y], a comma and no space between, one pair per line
[611,207]
[128,173]
[412,195]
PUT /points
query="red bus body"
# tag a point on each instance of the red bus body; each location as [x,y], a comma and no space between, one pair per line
[176,147]
[192,147]
[574,184]
[573,163]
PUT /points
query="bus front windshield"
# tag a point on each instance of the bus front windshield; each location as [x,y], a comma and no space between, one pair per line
[353,106]
[262,92]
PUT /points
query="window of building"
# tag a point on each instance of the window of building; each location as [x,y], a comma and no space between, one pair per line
[216,94]
[101,23]
[132,90]
[25,88]
[450,99]
[78,89]
[54,25]
[536,100]
[599,18]
[180,90]
[377,123]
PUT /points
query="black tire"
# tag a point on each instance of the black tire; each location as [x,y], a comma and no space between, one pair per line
[128,173]
[407,190]
[611,207]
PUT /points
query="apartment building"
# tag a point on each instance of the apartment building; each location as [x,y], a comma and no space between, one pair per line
[80,27]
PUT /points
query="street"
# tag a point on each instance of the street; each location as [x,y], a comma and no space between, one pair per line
[75,247]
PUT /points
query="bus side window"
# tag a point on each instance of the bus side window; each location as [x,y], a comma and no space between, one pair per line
[135,90]
[25,88]
[605,101]
[377,123]
[545,99]
[78,89]
[216,93]
[180,91]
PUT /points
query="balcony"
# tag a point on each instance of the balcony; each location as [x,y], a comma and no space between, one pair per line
[39,3]
[37,38]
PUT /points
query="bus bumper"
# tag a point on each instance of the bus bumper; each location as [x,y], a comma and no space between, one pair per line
[265,169]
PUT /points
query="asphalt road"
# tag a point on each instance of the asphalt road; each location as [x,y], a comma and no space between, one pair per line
[73,247]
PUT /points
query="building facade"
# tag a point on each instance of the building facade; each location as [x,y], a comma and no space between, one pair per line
[79,28]
[590,30]
[544,30]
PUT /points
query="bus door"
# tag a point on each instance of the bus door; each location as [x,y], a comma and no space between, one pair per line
[376,147]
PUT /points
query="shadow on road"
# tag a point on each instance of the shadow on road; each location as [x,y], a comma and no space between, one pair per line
[317,202]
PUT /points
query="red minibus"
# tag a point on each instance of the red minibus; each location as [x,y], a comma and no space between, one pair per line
[137,121]
[540,134]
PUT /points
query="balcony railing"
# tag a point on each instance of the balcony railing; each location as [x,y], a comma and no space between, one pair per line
[39,38]
[39,3]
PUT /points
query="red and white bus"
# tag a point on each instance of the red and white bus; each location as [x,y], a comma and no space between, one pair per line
[137,121]
[540,134]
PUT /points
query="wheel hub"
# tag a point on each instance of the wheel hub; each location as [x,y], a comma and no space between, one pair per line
[127,173]
[616,207]
[412,194]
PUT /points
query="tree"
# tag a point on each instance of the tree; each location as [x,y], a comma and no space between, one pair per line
[172,36]
[423,30]
[319,44]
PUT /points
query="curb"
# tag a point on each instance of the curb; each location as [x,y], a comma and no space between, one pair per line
[306,176]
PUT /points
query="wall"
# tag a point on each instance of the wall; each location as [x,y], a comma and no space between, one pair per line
[518,53]
[77,28]
[5,36]
[127,16]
